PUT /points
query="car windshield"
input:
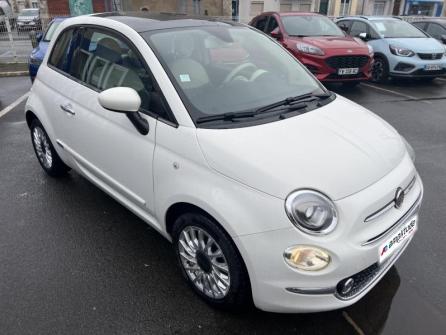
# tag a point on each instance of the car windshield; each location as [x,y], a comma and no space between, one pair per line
[228,69]
[29,12]
[310,25]
[50,31]
[396,29]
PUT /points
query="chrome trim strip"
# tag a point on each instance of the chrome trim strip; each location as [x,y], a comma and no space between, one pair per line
[412,210]
[389,205]
[315,290]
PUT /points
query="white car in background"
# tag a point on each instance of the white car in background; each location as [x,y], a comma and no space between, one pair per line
[270,187]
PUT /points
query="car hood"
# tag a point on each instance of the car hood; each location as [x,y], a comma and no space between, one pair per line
[334,42]
[338,149]
[424,45]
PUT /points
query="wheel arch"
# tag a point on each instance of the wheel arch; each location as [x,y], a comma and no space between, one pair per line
[30,116]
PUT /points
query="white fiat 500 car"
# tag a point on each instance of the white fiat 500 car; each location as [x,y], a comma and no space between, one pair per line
[271,188]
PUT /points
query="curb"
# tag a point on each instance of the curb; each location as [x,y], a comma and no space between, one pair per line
[14,73]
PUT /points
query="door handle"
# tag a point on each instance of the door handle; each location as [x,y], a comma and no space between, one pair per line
[68,109]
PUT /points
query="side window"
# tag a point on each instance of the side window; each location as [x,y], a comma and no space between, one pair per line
[344,25]
[420,25]
[261,23]
[435,30]
[61,53]
[103,60]
[358,27]
[272,24]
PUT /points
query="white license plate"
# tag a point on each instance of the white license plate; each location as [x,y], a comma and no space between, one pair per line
[432,67]
[397,239]
[351,70]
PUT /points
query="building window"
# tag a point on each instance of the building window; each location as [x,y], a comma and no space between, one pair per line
[345,7]
[379,7]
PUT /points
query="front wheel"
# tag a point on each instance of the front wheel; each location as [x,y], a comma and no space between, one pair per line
[210,262]
[47,156]
[380,70]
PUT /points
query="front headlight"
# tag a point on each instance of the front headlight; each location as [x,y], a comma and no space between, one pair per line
[309,49]
[370,49]
[401,51]
[35,61]
[311,211]
[409,149]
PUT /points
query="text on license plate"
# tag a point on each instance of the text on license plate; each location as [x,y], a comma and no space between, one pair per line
[350,70]
[396,240]
[432,67]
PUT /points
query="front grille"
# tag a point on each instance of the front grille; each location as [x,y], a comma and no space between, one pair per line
[431,56]
[343,62]
[335,76]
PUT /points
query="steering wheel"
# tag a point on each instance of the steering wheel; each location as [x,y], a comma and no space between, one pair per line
[236,71]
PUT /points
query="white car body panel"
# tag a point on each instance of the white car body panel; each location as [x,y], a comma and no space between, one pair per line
[239,176]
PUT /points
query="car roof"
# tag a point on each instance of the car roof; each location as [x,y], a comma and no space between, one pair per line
[292,13]
[370,18]
[439,20]
[142,22]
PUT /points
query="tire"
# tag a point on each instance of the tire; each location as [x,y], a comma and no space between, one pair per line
[203,272]
[47,156]
[380,70]
[351,84]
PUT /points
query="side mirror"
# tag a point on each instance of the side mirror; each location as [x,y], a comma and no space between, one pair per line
[343,28]
[276,34]
[364,36]
[120,99]
[443,39]
[125,100]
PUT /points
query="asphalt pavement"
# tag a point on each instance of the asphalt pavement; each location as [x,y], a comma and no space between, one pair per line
[74,261]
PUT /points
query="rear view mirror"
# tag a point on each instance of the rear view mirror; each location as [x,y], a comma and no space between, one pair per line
[120,99]
[125,100]
[276,34]
[344,28]
[364,36]
[443,39]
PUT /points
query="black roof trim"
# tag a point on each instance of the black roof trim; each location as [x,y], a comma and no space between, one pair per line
[143,21]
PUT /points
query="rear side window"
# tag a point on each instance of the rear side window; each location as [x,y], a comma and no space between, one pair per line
[358,27]
[344,25]
[272,24]
[60,55]
[261,23]
[435,30]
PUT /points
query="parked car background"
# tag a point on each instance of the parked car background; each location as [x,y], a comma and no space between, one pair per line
[29,18]
[400,49]
[435,27]
[330,54]
[43,39]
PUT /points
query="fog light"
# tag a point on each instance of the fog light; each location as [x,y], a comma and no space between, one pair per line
[306,258]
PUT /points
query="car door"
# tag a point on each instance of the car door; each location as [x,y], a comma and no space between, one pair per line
[105,145]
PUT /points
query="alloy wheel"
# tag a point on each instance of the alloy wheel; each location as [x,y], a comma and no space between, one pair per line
[204,262]
[42,146]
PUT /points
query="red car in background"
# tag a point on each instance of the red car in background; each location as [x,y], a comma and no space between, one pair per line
[320,45]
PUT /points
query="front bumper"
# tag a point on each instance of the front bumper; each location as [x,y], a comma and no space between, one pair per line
[414,67]
[318,66]
[277,287]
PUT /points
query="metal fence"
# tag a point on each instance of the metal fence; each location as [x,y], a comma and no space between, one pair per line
[18,39]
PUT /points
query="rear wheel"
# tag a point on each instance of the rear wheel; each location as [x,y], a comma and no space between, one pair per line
[380,70]
[46,154]
[210,262]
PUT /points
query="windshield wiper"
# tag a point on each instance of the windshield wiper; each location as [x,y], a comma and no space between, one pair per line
[293,100]
[225,117]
